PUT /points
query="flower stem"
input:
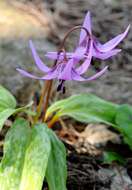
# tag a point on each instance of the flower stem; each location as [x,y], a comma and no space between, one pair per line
[46,91]
[70,31]
[39,107]
[47,99]
[53,120]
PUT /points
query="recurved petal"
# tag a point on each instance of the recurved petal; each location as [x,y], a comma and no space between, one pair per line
[79,53]
[105,55]
[37,59]
[54,55]
[77,77]
[51,75]
[113,42]
[66,73]
[27,74]
[87,25]
[85,65]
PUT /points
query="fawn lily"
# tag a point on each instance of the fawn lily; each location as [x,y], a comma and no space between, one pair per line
[64,69]
[100,51]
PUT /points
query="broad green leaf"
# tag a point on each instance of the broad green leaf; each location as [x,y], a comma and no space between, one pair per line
[110,157]
[25,109]
[85,108]
[16,143]
[4,115]
[7,105]
[56,172]
[26,153]
[36,159]
[7,100]
[124,123]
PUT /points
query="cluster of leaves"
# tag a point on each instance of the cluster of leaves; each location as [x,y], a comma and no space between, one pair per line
[32,153]
[89,108]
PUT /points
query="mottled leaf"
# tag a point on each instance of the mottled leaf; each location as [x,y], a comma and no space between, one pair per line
[36,159]
[85,108]
[124,123]
[16,143]
[56,173]
[7,100]
[8,105]
[4,115]
[26,153]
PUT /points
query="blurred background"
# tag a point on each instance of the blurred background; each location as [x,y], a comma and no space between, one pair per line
[45,22]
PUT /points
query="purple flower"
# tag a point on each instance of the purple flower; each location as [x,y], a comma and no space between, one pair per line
[64,69]
[100,51]
[68,66]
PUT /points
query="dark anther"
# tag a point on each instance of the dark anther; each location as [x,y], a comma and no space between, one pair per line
[64,90]
[36,98]
[61,86]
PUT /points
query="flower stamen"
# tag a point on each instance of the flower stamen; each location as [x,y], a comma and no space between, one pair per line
[61,87]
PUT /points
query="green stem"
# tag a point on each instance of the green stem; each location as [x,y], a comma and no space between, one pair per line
[48,84]
[39,107]
[47,99]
